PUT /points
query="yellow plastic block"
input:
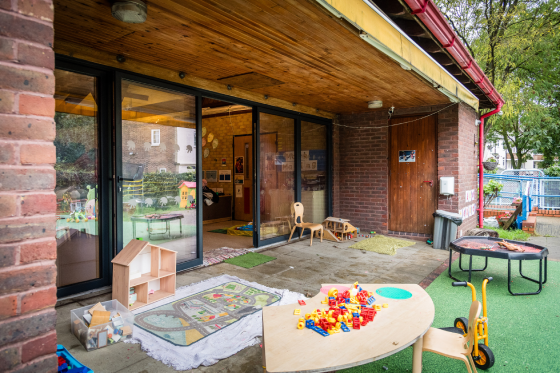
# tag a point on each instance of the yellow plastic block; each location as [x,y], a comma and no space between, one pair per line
[333,292]
[297,311]
[377,307]
[385,305]
[301,319]
[307,316]
[300,325]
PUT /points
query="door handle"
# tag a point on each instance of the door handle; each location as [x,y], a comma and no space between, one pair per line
[429,181]
[120,178]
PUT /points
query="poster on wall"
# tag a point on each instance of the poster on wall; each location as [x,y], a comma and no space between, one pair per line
[225,176]
[289,156]
[238,191]
[224,162]
[288,167]
[239,179]
[309,166]
[305,155]
[239,165]
[212,176]
[407,155]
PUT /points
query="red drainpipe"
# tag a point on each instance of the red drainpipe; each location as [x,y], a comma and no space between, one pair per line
[480,167]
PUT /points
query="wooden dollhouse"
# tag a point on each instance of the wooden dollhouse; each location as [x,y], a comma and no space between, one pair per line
[143,274]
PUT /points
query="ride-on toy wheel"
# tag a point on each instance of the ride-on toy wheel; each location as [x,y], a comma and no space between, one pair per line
[485,357]
[463,324]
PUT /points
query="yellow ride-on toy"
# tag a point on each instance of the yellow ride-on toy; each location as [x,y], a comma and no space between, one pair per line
[481,353]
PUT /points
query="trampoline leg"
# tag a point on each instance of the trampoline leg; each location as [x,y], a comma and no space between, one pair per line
[540,281]
[530,279]
[470,268]
[449,267]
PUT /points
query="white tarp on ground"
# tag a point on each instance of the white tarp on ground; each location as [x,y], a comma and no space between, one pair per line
[219,345]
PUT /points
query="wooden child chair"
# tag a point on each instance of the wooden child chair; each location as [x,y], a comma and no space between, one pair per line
[454,345]
[298,223]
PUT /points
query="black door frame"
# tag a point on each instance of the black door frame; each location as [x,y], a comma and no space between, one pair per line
[298,118]
[105,184]
[119,78]
[110,102]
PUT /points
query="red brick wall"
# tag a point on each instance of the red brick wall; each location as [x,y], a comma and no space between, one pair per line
[27,180]
[360,189]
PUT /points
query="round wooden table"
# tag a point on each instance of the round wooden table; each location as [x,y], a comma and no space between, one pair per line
[402,324]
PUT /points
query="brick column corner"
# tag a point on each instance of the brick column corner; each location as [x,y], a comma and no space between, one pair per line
[27,181]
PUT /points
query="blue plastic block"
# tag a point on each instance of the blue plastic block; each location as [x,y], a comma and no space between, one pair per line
[309,324]
[359,288]
[63,367]
[321,331]
[370,300]
[356,314]
[61,351]
[342,307]
[333,298]
[347,300]
[344,327]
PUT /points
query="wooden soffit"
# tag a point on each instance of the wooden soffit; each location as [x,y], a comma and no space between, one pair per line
[296,53]
[391,41]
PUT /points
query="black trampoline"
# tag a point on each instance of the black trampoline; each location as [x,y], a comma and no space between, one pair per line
[488,247]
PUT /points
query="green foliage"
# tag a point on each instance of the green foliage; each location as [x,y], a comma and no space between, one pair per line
[158,184]
[517,44]
[552,171]
[511,234]
[491,190]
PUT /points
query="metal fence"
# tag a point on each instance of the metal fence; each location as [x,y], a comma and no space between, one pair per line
[540,191]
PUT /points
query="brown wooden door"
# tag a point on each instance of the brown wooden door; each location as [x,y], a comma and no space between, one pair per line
[243,147]
[412,201]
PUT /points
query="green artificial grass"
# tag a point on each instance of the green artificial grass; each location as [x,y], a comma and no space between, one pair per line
[220,230]
[512,234]
[524,331]
[249,260]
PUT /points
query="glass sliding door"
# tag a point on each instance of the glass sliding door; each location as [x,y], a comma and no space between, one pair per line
[277,175]
[314,172]
[82,224]
[157,169]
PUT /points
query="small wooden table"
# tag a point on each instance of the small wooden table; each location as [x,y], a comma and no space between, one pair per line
[404,323]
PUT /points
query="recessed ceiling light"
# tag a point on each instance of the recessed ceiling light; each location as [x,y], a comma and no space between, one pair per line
[375,104]
[130,11]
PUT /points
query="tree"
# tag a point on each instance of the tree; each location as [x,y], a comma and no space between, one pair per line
[517,45]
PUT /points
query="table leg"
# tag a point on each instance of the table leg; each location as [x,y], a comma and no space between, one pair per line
[417,355]
[134,229]
[181,226]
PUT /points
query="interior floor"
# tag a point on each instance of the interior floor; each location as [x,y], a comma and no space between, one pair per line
[213,240]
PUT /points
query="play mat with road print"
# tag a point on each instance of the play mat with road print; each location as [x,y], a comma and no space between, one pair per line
[196,316]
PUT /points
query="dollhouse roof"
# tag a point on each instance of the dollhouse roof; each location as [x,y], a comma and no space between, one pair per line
[188,184]
[129,252]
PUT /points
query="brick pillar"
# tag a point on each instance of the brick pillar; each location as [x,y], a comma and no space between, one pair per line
[27,181]
[458,157]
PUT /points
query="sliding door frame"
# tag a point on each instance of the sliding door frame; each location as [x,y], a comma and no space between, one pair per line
[105,196]
[110,113]
[119,78]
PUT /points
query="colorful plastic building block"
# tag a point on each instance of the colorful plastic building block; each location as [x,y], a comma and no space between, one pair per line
[385,305]
[297,311]
[301,302]
[370,300]
[344,327]
[309,324]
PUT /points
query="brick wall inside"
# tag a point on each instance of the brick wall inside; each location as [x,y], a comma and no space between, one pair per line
[27,181]
[224,128]
[360,190]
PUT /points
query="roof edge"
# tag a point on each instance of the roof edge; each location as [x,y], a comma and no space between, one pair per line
[430,15]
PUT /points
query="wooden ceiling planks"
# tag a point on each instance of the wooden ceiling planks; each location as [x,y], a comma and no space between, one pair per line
[323,64]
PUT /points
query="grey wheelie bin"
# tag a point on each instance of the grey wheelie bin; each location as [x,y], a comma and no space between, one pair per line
[445,228]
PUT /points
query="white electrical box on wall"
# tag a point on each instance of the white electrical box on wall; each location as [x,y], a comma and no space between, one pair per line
[447,186]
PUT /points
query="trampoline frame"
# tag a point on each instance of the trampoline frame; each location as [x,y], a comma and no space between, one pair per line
[509,255]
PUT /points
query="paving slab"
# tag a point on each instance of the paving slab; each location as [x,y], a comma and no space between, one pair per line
[298,267]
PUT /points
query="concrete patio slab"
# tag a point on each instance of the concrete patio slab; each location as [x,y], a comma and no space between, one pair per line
[298,267]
